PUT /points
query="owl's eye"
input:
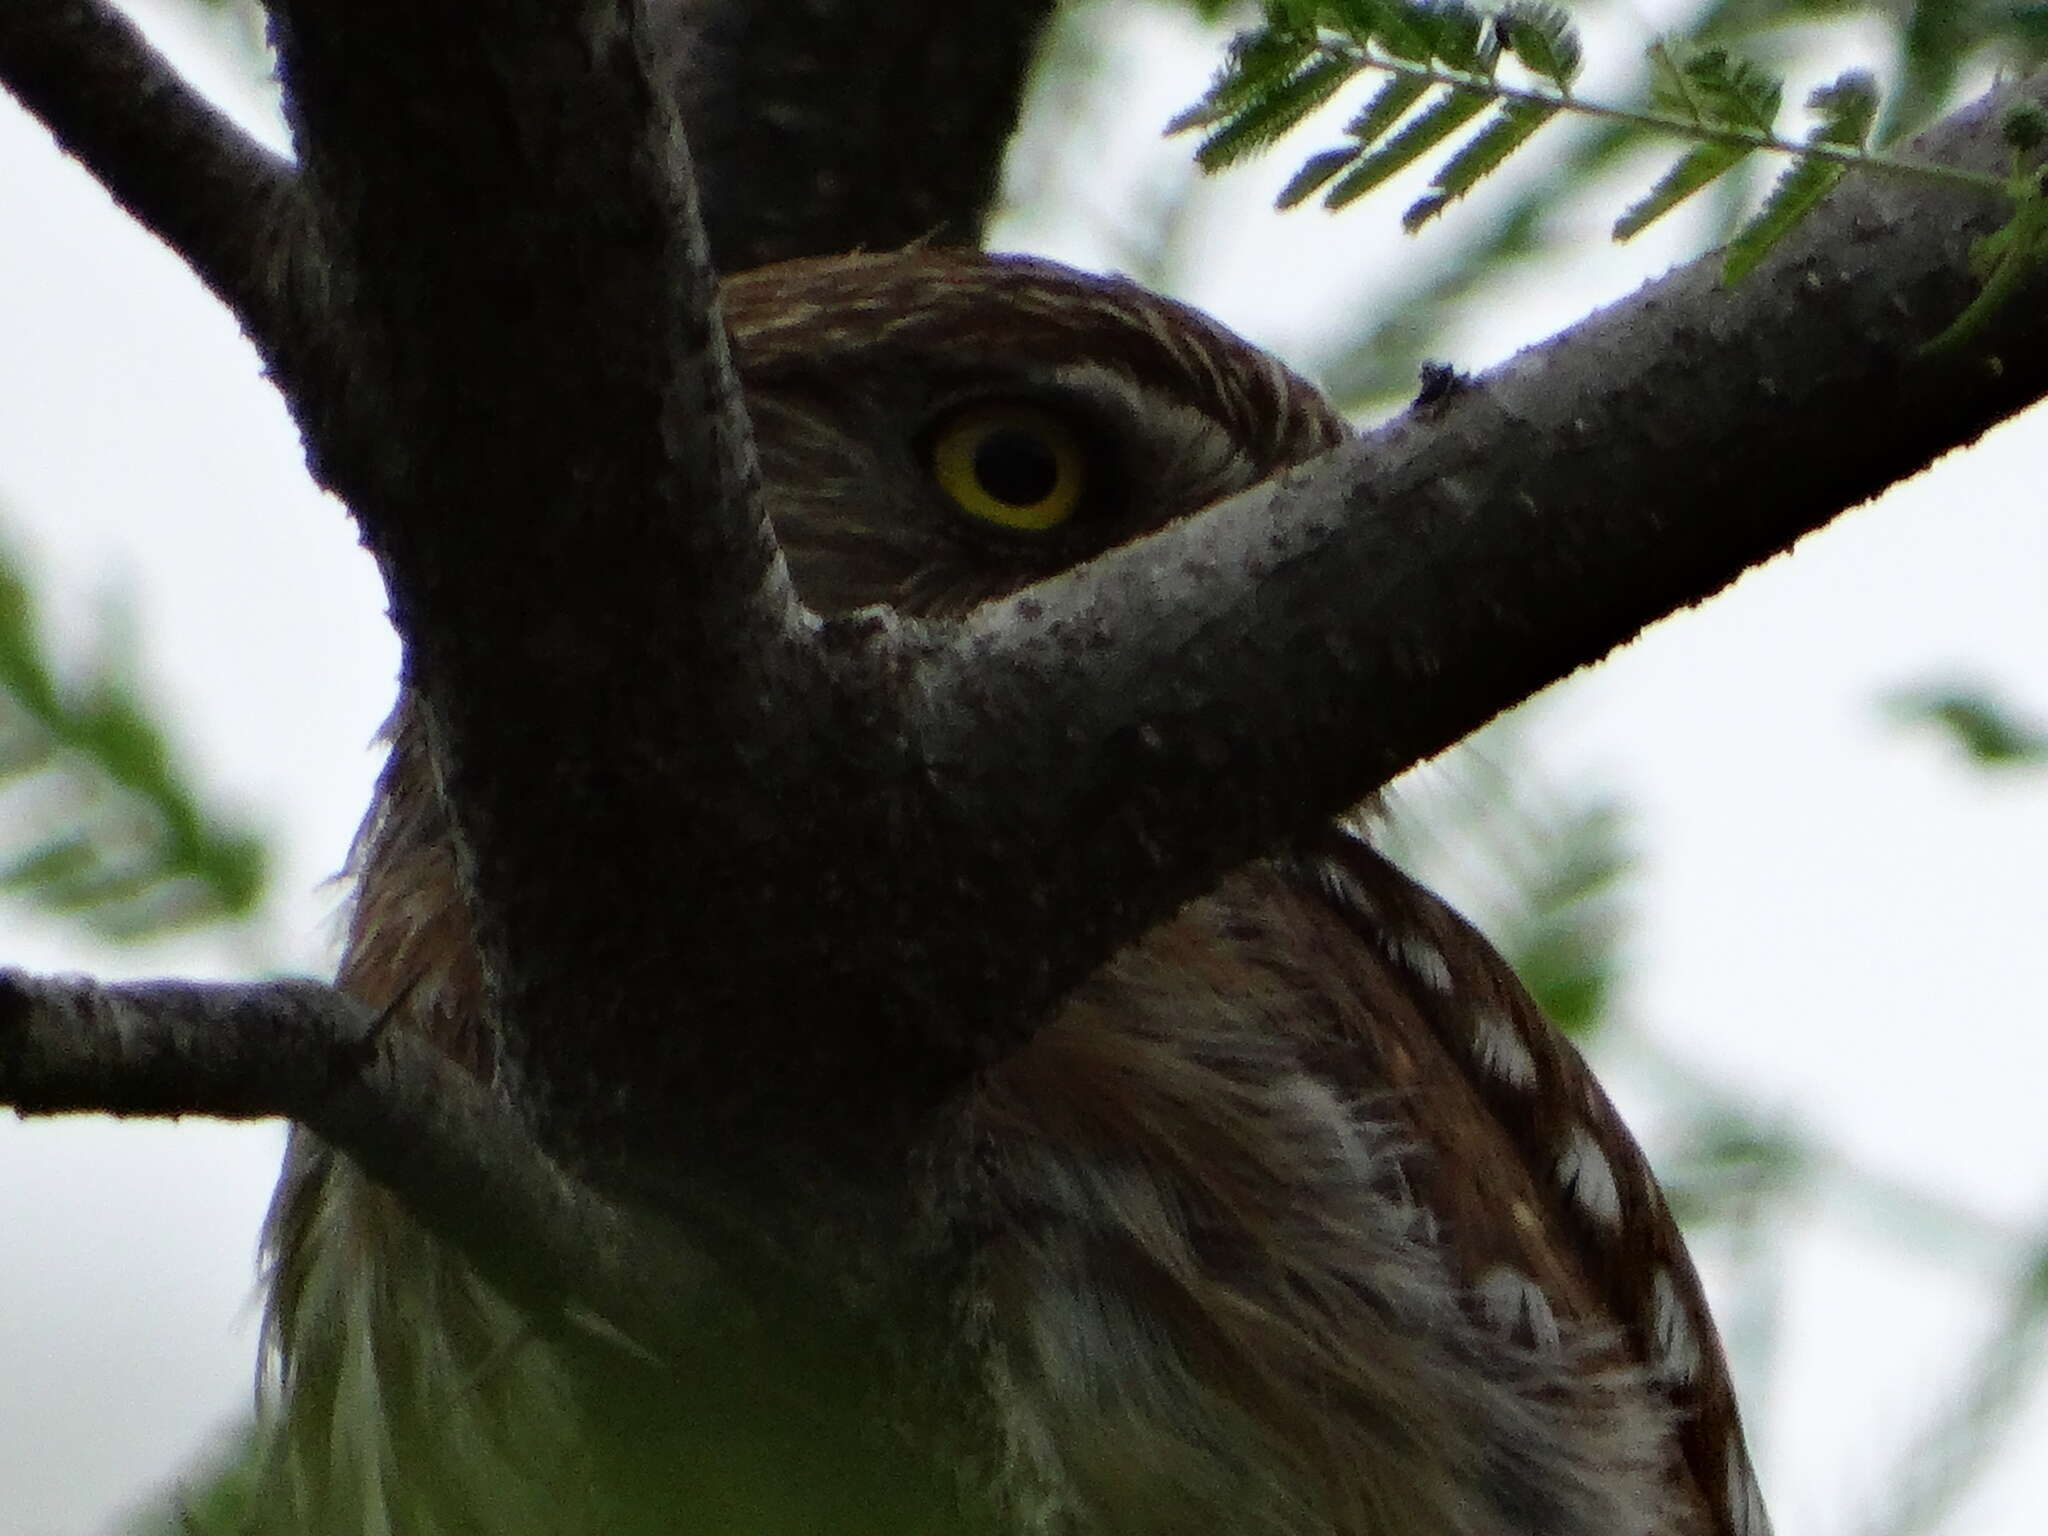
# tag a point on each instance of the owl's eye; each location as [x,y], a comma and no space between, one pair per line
[1010,463]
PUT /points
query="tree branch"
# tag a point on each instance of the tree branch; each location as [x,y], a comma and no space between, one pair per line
[819,128]
[224,203]
[718,854]
[1070,765]
[1222,687]
[785,831]
[462,1159]
[540,430]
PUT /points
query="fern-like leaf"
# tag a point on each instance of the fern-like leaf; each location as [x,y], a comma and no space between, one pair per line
[1405,31]
[1459,37]
[1315,174]
[1846,108]
[1259,123]
[1418,138]
[1713,89]
[1255,63]
[1478,157]
[1701,166]
[1543,38]
[1390,103]
[100,824]
[1441,60]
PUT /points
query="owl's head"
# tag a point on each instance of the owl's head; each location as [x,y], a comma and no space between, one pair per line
[937,428]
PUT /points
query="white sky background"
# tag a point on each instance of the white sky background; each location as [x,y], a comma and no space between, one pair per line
[1834,917]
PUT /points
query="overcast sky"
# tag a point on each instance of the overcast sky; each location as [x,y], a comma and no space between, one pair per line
[1835,919]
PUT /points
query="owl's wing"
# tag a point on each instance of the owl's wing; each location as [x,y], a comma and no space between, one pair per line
[1548,1204]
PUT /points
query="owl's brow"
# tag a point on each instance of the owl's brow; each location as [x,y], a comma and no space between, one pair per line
[981,311]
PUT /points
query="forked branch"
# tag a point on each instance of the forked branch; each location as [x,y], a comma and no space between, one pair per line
[224,203]
[804,878]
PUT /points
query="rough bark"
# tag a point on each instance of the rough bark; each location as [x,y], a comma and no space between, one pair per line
[466,1164]
[809,875]
[225,204]
[819,127]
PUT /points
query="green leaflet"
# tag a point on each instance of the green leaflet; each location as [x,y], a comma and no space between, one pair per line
[1543,38]
[1280,109]
[1701,166]
[1418,138]
[1441,65]
[105,827]
[1846,108]
[1485,152]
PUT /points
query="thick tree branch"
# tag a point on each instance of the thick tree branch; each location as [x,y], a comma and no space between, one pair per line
[819,128]
[1079,760]
[719,855]
[541,432]
[1103,747]
[786,833]
[186,173]
[1220,688]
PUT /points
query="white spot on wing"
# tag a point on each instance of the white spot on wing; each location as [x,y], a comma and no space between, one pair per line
[1516,1307]
[1671,1332]
[1343,888]
[1746,1515]
[1500,1050]
[1424,961]
[1583,1170]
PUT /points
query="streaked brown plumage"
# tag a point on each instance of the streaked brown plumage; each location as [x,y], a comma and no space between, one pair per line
[1297,1218]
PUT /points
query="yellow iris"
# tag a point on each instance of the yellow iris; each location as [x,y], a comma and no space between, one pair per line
[1010,463]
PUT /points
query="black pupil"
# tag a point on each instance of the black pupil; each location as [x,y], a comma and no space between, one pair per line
[1015,467]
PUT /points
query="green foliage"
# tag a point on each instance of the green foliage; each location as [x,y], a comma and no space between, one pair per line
[1934,43]
[1986,730]
[1274,77]
[1416,138]
[1257,121]
[1508,130]
[1700,166]
[101,824]
[2003,259]
[214,1498]
[1443,65]
[1709,88]
[1846,110]
[1714,93]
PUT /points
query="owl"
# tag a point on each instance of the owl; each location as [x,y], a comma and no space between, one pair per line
[1296,1219]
